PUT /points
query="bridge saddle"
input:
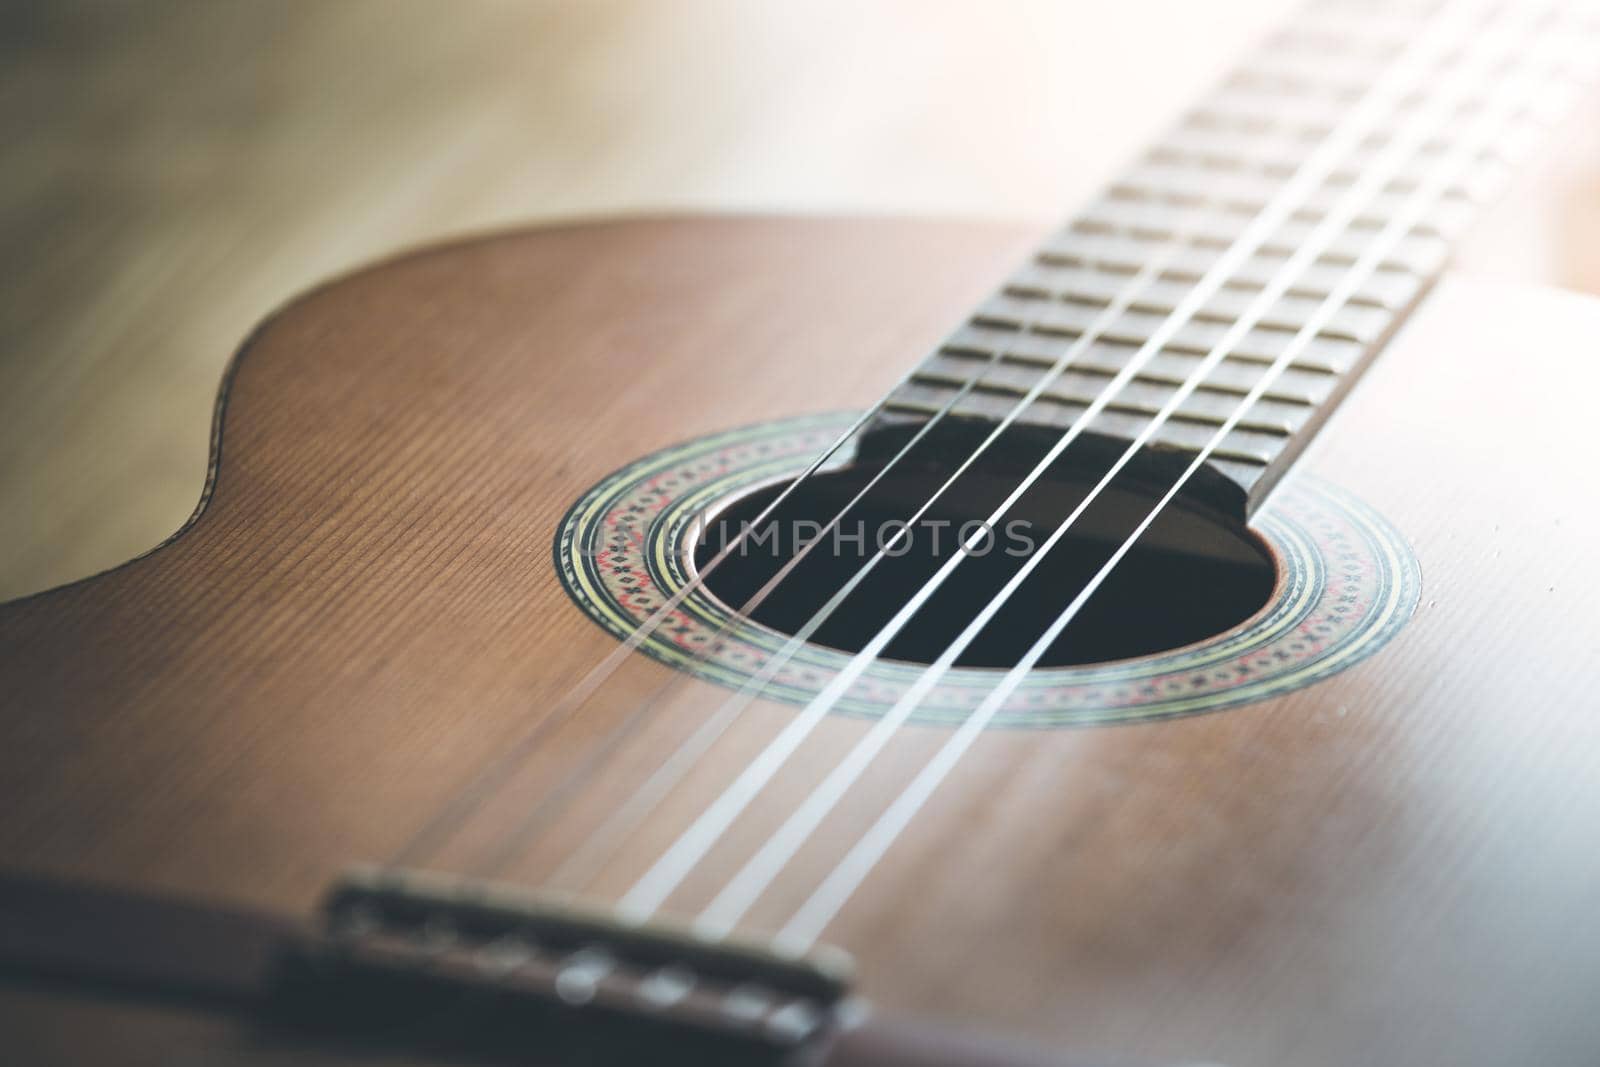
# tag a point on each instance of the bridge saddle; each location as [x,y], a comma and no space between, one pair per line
[395,936]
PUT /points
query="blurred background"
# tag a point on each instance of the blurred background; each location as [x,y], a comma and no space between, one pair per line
[173,170]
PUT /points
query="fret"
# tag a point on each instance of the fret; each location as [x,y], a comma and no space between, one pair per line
[1307,386]
[1126,253]
[1244,447]
[1192,162]
[1387,291]
[1306,118]
[1272,417]
[1391,288]
[1238,199]
[1184,203]
[1087,382]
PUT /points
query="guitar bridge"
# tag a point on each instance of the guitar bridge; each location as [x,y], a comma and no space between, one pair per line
[402,938]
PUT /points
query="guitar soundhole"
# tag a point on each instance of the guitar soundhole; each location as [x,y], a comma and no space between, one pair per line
[1195,573]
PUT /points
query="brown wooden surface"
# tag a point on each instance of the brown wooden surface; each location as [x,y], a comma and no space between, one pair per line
[1394,866]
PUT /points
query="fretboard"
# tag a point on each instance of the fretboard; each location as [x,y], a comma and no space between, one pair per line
[1102,286]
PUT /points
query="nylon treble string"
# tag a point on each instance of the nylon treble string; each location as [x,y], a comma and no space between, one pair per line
[839,885]
[651,890]
[601,845]
[436,833]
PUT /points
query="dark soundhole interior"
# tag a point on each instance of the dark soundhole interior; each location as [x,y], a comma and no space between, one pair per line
[1196,572]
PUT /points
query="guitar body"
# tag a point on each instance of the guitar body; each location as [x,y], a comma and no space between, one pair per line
[1396,864]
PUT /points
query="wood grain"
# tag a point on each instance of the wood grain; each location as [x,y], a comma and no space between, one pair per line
[1394,866]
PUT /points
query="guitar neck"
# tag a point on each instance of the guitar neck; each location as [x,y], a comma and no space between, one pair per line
[1302,196]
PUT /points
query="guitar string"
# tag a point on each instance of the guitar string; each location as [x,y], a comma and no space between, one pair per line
[757,874]
[553,801]
[600,846]
[437,832]
[674,865]
[520,838]
[463,802]
[650,891]
[466,801]
[813,916]
[430,839]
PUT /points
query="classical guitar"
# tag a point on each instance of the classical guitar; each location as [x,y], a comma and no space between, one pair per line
[668,641]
